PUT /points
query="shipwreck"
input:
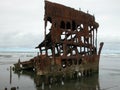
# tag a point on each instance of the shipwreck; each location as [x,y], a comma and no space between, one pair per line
[69,45]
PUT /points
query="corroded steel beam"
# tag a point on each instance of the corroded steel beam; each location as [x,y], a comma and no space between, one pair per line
[70,44]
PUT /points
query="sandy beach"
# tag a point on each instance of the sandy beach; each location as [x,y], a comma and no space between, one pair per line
[108,78]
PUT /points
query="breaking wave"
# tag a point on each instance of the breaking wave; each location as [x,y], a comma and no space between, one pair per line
[6,56]
[12,57]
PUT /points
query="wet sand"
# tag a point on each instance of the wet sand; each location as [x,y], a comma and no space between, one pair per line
[108,78]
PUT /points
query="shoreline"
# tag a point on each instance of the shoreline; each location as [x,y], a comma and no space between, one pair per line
[109,74]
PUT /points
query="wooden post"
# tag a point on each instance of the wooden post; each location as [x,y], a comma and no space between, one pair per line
[10,74]
[13,88]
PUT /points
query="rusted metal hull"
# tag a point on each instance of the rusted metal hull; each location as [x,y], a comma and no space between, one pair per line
[27,65]
[69,45]
[86,66]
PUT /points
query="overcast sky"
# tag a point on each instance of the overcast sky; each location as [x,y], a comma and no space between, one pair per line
[22,24]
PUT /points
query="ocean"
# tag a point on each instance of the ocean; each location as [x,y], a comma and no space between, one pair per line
[108,78]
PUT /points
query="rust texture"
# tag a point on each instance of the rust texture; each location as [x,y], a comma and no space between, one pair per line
[72,37]
[70,44]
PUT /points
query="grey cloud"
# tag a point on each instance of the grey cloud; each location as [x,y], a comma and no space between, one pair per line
[22,25]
